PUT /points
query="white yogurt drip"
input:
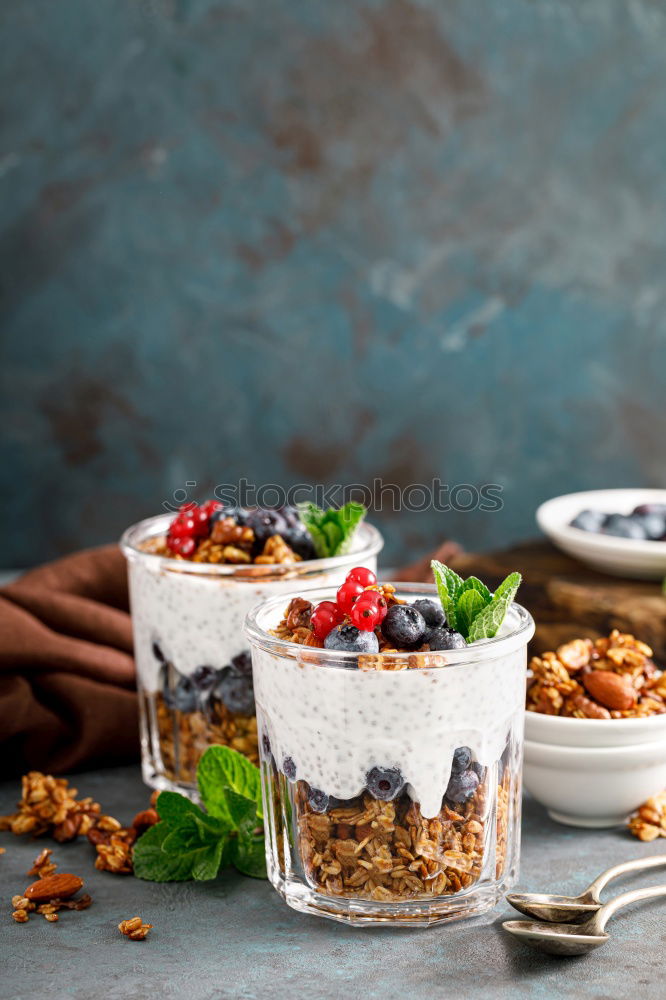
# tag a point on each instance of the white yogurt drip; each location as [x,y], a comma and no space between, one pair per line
[336,724]
[198,620]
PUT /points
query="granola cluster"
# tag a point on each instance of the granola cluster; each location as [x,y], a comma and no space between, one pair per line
[612,678]
[134,929]
[387,851]
[49,806]
[184,736]
[649,821]
[49,894]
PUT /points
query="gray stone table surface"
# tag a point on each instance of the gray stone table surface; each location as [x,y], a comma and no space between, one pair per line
[235,938]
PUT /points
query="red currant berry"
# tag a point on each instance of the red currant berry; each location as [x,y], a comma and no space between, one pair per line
[362,575]
[347,594]
[210,506]
[185,547]
[325,617]
[369,611]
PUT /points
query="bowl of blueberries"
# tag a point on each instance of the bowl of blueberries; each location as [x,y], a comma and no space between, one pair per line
[622,532]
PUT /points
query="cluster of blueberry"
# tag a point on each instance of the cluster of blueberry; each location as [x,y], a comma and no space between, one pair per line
[386,783]
[193,523]
[350,623]
[201,691]
[647,522]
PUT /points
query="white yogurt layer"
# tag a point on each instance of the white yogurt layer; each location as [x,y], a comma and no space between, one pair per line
[198,620]
[336,724]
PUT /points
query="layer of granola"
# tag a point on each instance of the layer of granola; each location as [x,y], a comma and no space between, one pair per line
[184,736]
[387,851]
[229,543]
[614,677]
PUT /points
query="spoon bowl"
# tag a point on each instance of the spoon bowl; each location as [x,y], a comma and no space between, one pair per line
[550,907]
[555,939]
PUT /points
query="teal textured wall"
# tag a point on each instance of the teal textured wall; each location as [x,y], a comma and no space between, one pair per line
[303,240]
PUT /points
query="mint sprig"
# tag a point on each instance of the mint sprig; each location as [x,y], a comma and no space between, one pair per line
[193,843]
[332,530]
[469,606]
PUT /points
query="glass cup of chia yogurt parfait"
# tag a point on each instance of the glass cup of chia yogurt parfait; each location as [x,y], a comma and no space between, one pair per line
[193,666]
[391,773]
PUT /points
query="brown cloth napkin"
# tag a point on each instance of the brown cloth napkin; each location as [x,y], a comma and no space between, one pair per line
[67,687]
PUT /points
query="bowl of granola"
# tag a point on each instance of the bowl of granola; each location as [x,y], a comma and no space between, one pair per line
[595,729]
[193,576]
[391,747]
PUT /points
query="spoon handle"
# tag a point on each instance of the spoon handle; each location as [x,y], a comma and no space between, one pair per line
[638,864]
[602,915]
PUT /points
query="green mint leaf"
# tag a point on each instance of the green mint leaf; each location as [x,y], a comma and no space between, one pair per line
[220,769]
[446,597]
[174,807]
[488,623]
[332,530]
[454,583]
[468,606]
[249,856]
[473,583]
[208,861]
[153,864]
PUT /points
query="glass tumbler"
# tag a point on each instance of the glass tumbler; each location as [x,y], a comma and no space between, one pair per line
[391,782]
[194,673]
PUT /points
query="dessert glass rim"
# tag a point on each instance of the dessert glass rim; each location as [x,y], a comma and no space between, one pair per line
[483,649]
[369,542]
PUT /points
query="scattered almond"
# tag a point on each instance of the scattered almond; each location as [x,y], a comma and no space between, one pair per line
[60,886]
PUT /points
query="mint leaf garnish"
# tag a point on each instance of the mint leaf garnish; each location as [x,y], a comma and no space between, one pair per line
[221,769]
[469,606]
[332,530]
[470,603]
[488,623]
[190,843]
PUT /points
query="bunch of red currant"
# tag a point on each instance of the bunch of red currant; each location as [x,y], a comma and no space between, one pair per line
[189,526]
[357,599]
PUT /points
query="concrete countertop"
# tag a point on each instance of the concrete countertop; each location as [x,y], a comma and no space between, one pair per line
[234,939]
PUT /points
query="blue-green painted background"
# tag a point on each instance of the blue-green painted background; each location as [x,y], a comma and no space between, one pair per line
[303,240]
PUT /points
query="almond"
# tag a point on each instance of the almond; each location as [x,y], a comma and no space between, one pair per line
[609,689]
[60,886]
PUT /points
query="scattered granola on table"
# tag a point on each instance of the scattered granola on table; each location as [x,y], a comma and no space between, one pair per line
[611,678]
[649,821]
[49,805]
[49,894]
[134,928]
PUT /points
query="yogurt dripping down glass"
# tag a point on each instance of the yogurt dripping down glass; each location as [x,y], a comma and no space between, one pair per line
[367,819]
[187,619]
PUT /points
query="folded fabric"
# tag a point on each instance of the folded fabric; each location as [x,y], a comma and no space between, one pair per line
[67,681]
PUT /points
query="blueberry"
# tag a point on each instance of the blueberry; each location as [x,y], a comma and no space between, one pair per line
[318,800]
[479,770]
[297,535]
[462,760]
[265,521]
[242,663]
[204,678]
[462,786]
[349,639]
[432,612]
[620,526]
[444,638]
[404,625]
[289,768]
[266,744]
[654,525]
[157,651]
[183,696]
[589,520]
[239,514]
[650,508]
[235,691]
[384,783]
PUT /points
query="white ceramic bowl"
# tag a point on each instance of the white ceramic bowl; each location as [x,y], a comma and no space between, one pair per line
[568,732]
[594,786]
[619,556]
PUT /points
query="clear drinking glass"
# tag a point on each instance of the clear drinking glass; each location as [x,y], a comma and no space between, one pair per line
[392,784]
[193,667]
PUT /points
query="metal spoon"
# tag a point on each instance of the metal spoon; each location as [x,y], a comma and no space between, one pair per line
[576,939]
[575,909]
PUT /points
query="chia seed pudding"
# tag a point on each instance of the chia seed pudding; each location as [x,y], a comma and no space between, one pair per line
[193,667]
[391,774]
